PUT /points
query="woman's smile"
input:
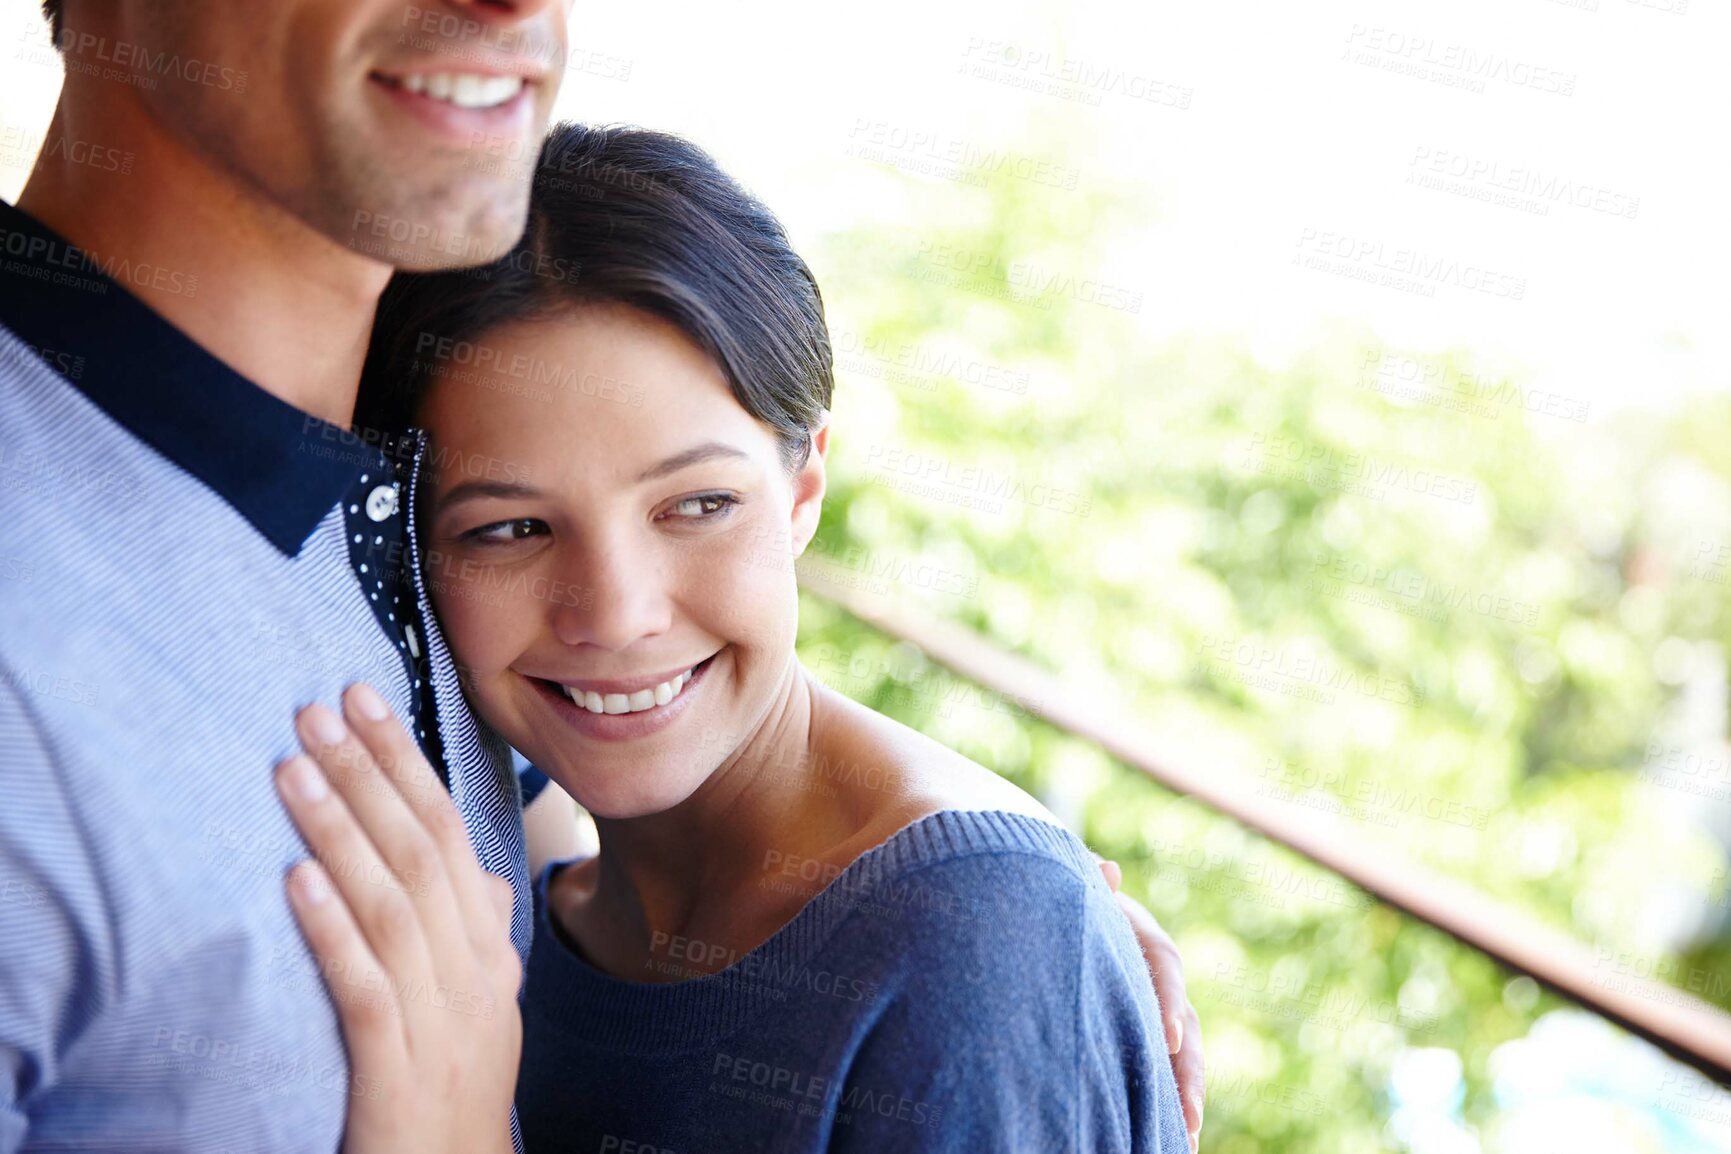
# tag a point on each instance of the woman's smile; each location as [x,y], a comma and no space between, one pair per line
[651,705]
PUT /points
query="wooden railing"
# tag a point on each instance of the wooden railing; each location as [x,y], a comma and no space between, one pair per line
[1679,1023]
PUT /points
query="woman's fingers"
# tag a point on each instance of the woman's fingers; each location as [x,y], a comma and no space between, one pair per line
[406,906]
[359,876]
[1178,1016]
[437,821]
[506,965]
[1189,1068]
[368,784]
[371,1021]
[1161,954]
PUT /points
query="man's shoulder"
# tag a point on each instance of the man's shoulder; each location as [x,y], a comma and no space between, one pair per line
[61,457]
[68,487]
[40,384]
[101,529]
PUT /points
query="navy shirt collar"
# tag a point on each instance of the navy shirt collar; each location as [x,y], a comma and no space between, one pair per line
[280,468]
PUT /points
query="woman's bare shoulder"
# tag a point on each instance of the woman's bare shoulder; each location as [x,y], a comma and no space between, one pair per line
[896,775]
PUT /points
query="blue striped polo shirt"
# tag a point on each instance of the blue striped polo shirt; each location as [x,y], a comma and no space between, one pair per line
[184,561]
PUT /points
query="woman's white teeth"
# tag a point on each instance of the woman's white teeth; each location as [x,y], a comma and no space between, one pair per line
[464,89]
[630,702]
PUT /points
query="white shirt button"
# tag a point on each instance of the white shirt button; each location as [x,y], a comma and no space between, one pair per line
[382,502]
[414,645]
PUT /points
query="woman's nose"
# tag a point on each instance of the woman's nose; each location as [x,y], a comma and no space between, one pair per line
[613,599]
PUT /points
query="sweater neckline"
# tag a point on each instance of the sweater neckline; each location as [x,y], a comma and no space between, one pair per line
[608,1012]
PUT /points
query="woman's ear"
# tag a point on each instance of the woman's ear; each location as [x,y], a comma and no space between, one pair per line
[808,488]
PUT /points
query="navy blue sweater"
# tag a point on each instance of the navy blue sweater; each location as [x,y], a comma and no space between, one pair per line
[968,986]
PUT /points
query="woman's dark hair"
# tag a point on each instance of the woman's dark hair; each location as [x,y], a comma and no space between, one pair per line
[627,216]
[52,10]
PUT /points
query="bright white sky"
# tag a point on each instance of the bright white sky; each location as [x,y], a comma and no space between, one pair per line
[1281,134]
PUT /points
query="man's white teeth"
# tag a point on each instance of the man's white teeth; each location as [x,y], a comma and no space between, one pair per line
[630,702]
[464,89]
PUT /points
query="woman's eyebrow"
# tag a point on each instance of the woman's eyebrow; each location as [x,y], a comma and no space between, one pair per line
[474,490]
[695,455]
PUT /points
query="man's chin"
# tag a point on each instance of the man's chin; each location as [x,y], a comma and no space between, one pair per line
[435,242]
[432,260]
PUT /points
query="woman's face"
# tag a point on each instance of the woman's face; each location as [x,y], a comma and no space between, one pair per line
[603,518]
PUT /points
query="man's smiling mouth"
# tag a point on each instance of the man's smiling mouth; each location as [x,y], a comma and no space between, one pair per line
[463,89]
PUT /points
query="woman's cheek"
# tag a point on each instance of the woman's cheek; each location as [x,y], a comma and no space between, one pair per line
[478,625]
[743,590]
[456,620]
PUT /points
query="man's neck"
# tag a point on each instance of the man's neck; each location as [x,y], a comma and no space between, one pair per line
[284,306]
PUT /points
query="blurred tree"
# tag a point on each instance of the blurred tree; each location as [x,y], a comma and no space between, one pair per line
[1375,583]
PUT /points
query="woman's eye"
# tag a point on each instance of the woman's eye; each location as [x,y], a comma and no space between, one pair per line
[505,532]
[704,506]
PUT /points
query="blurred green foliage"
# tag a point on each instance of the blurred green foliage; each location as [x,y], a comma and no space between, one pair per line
[1365,581]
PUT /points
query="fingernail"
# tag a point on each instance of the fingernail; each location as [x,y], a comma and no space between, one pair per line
[1177,1034]
[367,702]
[325,726]
[311,887]
[304,779]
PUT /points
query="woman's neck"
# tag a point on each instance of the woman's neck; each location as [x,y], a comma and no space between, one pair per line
[701,871]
